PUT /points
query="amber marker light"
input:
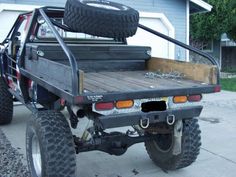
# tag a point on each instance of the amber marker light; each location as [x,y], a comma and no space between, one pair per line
[180,99]
[124,104]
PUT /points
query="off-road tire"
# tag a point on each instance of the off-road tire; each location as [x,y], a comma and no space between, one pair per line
[6,104]
[191,142]
[98,21]
[55,143]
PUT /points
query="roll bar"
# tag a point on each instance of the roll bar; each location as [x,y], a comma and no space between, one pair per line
[73,62]
[69,54]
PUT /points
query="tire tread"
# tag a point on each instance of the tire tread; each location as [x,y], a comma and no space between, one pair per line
[99,22]
[57,140]
[6,104]
[191,143]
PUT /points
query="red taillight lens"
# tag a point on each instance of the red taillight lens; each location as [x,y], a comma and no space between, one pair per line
[62,102]
[217,88]
[194,98]
[104,106]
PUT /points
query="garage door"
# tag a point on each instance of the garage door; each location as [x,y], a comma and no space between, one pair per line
[160,47]
[7,19]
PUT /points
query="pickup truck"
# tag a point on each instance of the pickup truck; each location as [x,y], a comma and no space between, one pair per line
[76,61]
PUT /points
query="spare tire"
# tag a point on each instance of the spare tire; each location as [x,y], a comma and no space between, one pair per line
[101,18]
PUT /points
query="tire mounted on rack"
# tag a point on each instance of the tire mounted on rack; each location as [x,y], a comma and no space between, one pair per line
[101,18]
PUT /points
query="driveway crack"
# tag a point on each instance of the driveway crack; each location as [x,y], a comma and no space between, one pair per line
[218,155]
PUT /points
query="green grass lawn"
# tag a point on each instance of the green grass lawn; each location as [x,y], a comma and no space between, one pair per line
[228,84]
[230,70]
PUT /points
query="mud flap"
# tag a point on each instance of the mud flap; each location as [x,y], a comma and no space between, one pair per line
[178,129]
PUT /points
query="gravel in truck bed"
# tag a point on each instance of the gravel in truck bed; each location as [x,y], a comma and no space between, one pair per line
[10,160]
[171,75]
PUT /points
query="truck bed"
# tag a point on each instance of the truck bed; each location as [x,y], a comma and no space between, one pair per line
[110,72]
[125,81]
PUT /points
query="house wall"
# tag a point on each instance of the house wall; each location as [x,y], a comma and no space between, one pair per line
[174,10]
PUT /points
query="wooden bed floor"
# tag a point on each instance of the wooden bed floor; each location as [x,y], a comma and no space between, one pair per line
[126,81]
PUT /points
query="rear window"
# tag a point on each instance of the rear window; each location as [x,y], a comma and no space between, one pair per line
[44,32]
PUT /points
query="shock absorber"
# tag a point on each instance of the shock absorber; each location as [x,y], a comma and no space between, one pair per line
[73,118]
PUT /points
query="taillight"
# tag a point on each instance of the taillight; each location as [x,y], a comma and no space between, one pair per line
[124,104]
[217,88]
[104,106]
[180,99]
[62,102]
[194,98]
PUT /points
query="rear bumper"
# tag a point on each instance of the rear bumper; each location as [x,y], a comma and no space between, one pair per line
[129,119]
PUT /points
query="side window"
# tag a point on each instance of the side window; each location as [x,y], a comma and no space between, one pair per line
[44,32]
[20,34]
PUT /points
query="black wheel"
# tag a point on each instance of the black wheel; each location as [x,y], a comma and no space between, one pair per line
[6,104]
[50,147]
[161,150]
[101,18]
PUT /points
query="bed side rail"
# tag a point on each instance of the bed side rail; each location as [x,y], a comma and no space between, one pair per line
[188,47]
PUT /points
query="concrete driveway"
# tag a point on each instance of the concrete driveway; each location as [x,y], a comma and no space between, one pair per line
[217,157]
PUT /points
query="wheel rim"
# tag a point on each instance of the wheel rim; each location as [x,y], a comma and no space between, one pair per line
[164,142]
[36,156]
[104,6]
